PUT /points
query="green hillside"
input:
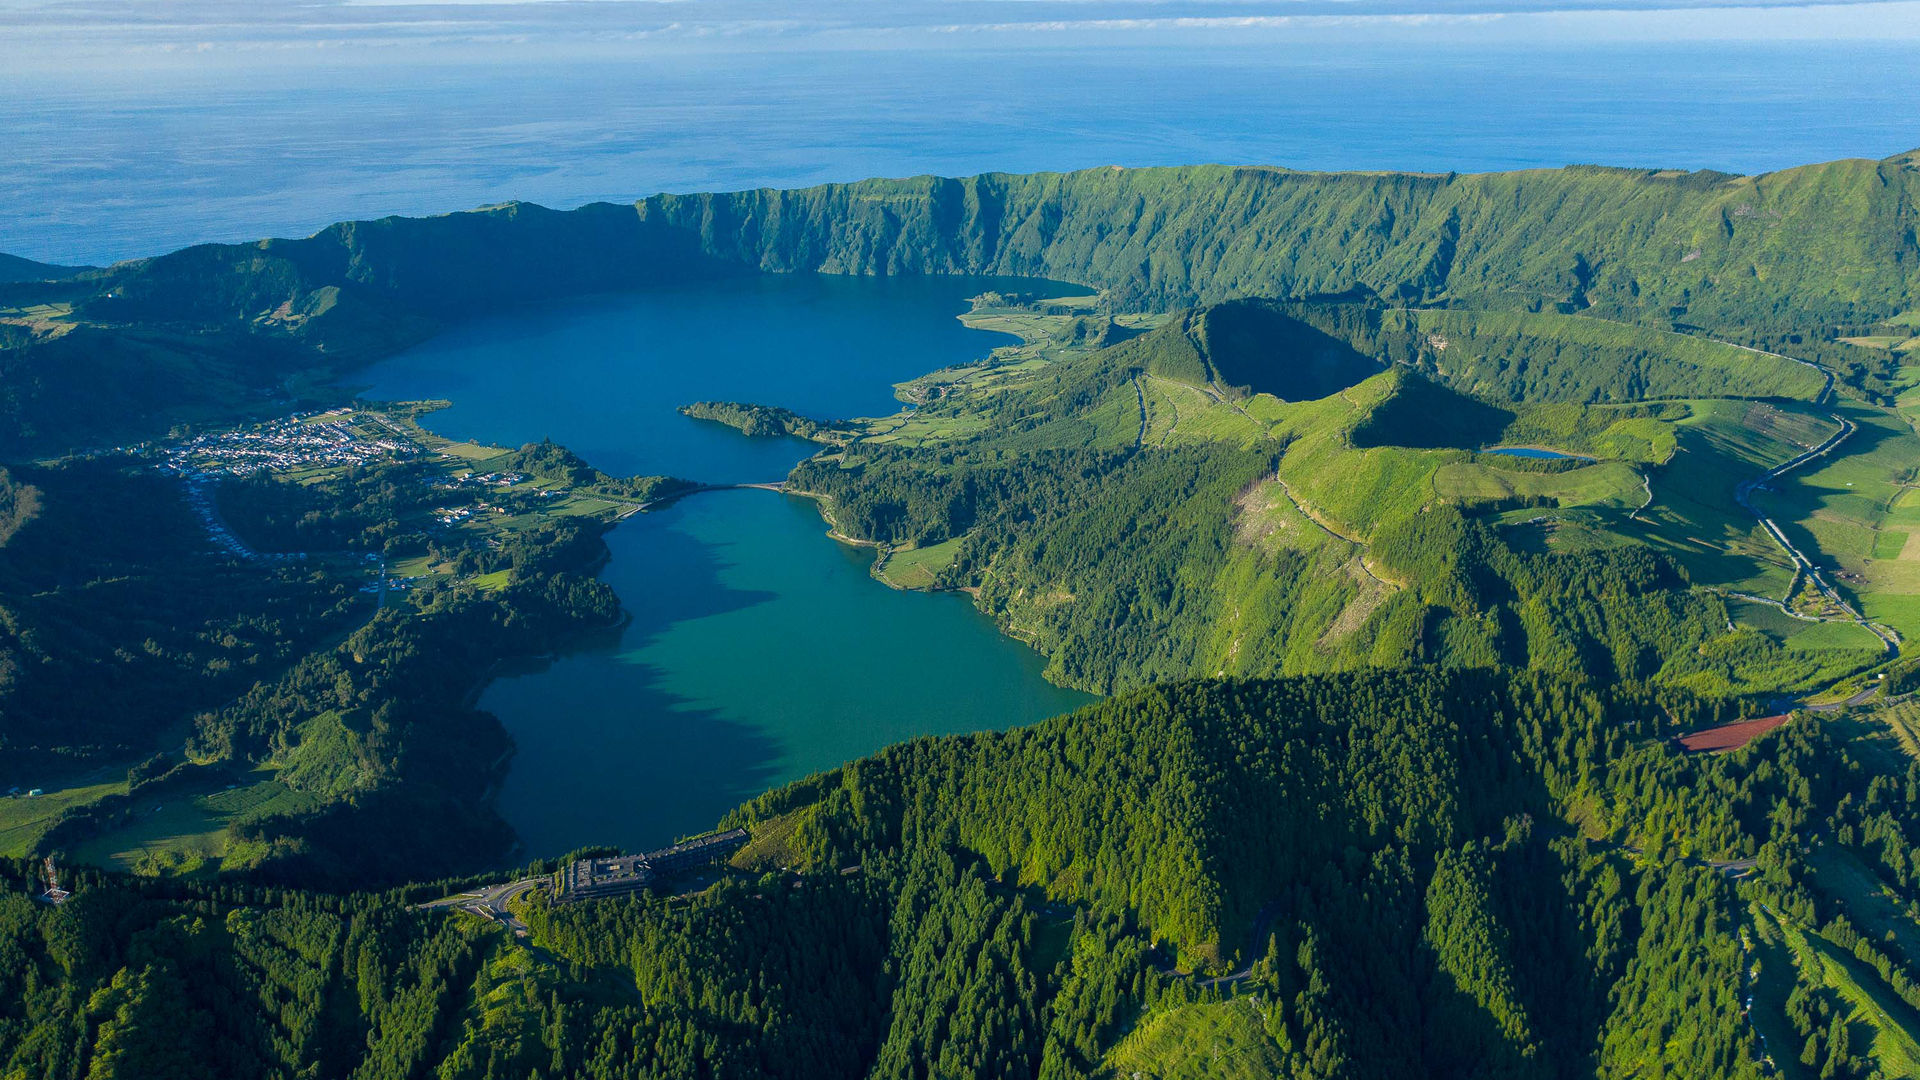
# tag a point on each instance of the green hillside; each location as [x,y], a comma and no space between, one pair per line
[1784,253]
[1159,508]
[15,268]
[1408,518]
[1378,875]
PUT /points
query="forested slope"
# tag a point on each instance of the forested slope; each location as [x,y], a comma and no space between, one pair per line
[1402,804]
[1440,869]
[1330,508]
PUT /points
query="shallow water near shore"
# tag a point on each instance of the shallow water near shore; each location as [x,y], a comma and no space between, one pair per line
[759,649]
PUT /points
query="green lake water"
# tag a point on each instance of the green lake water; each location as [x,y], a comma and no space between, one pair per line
[759,649]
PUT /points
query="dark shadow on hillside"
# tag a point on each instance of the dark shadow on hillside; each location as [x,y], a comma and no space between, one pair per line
[1380,908]
[1256,347]
[1423,414]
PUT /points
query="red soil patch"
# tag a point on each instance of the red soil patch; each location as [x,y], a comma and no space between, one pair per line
[1716,740]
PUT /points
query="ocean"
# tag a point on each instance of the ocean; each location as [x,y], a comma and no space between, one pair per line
[103,169]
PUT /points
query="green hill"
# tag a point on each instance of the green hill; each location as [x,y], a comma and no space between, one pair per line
[1708,247]
[1414,874]
[1792,251]
[1134,519]
[15,268]
[1252,347]
[1388,790]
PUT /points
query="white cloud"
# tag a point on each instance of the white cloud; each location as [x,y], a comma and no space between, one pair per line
[78,35]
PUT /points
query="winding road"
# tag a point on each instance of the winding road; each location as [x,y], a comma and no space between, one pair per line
[1256,947]
[493,902]
[1801,563]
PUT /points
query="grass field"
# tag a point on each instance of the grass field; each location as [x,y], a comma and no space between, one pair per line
[1694,515]
[1776,976]
[1860,511]
[471,452]
[1221,1041]
[1902,720]
[769,845]
[1874,907]
[917,568]
[1179,414]
[23,818]
[1609,484]
[1799,633]
[187,832]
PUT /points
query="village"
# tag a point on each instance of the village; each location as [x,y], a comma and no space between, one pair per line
[313,440]
[470,492]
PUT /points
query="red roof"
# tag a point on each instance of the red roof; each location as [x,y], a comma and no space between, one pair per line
[1729,736]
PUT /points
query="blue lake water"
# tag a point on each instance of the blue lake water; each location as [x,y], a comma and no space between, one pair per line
[759,650]
[605,375]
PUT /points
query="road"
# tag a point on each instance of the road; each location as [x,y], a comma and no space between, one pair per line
[1646,486]
[1730,867]
[1826,390]
[1360,549]
[492,902]
[654,504]
[1801,563]
[1860,698]
[1256,946]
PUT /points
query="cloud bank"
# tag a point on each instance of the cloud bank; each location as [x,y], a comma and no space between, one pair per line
[106,35]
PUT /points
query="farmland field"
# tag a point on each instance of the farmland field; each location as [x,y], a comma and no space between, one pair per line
[1859,511]
[917,568]
[183,832]
[23,818]
[1694,515]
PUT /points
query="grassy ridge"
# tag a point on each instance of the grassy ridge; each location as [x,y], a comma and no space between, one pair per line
[1645,242]
[1133,515]
[1819,245]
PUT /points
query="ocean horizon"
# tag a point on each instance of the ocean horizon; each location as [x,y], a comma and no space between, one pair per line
[105,169]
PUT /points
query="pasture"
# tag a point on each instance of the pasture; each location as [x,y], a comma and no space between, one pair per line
[1859,510]
[185,832]
[917,568]
[23,818]
[1695,516]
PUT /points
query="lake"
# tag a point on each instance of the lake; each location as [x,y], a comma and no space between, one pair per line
[759,650]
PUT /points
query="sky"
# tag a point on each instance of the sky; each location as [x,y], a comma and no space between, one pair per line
[53,39]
